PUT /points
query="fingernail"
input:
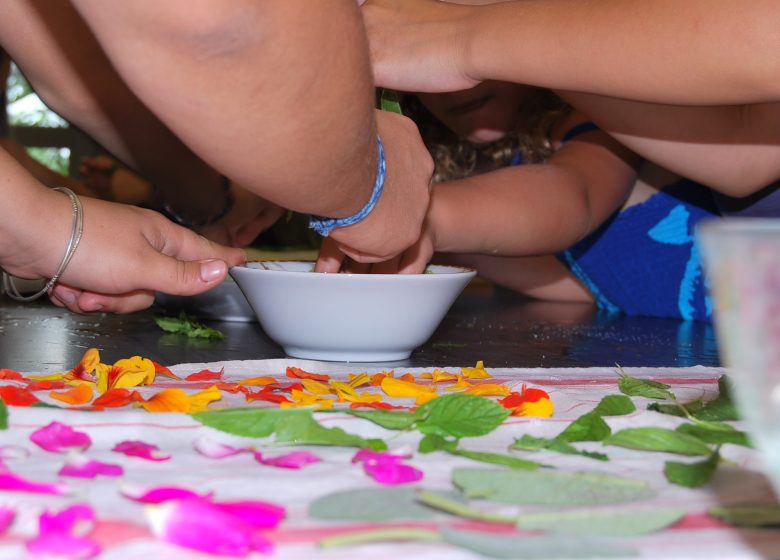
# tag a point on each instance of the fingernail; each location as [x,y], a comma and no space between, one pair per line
[66,296]
[211,270]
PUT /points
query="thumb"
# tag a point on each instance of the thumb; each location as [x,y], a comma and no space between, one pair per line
[184,278]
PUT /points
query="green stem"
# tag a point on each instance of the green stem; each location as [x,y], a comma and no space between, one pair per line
[380,535]
[456,508]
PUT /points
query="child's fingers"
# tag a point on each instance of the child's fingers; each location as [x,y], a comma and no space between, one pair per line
[330,258]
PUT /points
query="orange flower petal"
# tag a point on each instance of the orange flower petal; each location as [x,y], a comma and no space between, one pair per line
[162,370]
[17,396]
[81,394]
[301,374]
[258,381]
[398,388]
[168,400]
[45,385]
[11,374]
[114,398]
[205,375]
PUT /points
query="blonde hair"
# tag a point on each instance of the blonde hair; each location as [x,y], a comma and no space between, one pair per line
[456,158]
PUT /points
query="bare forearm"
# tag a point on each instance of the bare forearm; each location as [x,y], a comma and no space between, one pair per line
[692,52]
[734,149]
[291,79]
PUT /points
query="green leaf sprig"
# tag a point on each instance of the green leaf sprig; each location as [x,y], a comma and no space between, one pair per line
[187,325]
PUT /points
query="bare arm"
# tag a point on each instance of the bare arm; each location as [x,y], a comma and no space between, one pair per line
[692,52]
[734,149]
[534,209]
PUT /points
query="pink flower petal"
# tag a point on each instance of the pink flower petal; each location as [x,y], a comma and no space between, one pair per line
[199,525]
[392,473]
[60,438]
[141,449]
[159,494]
[260,515]
[13,482]
[79,519]
[6,518]
[216,450]
[63,545]
[293,460]
[80,466]
[65,534]
[387,468]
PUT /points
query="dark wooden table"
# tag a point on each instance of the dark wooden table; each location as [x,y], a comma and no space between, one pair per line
[494,325]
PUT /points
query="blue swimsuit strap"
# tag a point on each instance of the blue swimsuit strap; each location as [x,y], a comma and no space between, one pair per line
[581,128]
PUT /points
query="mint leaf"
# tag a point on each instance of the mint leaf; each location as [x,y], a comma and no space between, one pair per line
[3,415]
[635,387]
[390,101]
[715,432]
[439,501]
[677,409]
[722,408]
[588,427]
[290,426]
[375,505]
[389,419]
[659,439]
[461,415]
[497,459]
[614,405]
[435,442]
[692,475]
[188,326]
[531,443]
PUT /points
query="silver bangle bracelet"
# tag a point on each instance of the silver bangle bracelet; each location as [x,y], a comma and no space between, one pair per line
[75,237]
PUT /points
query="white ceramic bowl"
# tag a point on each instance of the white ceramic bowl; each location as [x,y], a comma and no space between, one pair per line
[223,303]
[348,317]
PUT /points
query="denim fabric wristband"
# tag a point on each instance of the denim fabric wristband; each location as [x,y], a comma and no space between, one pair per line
[324,226]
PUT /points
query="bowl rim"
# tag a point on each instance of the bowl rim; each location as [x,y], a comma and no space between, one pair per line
[458,271]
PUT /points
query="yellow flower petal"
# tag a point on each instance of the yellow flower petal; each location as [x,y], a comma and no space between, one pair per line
[201,400]
[397,388]
[358,380]
[477,372]
[50,377]
[316,387]
[459,386]
[299,398]
[489,390]
[543,408]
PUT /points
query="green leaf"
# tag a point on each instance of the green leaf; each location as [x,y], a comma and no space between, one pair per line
[715,432]
[692,475]
[722,408]
[614,405]
[636,387]
[531,443]
[188,326]
[376,505]
[435,442]
[615,523]
[659,439]
[588,427]
[290,426]
[250,422]
[455,507]
[533,548]
[748,515]
[497,459]
[389,419]
[677,409]
[3,415]
[461,415]
[545,487]
[389,100]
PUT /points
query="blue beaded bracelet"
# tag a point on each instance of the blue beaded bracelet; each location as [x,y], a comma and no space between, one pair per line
[324,226]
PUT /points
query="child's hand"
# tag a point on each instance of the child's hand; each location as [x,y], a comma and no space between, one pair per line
[395,223]
[251,215]
[125,255]
[418,45]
